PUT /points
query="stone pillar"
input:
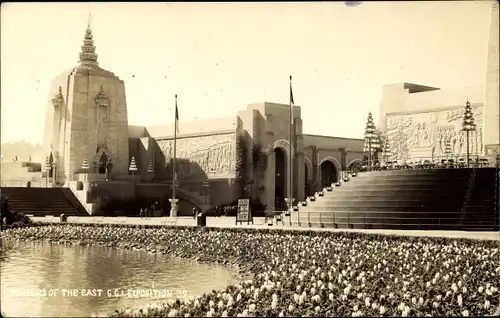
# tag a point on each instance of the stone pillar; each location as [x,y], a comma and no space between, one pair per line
[270,176]
[301,175]
[491,115]
[318,182]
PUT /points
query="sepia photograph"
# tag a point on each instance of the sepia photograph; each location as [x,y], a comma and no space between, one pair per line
[250,159]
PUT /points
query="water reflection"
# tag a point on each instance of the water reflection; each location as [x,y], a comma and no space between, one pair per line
[54,270]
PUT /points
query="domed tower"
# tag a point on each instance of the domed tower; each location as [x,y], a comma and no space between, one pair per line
[86,116]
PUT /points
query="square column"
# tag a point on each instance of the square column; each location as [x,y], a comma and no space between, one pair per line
[301,175]
[270,176]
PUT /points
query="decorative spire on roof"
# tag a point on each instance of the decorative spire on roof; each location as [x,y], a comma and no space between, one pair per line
[88,55]
[58,99]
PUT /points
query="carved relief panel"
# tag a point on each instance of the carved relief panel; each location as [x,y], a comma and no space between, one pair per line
[426,135]
[204,156]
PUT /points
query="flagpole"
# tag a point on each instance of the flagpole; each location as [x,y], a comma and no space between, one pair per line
[290,164]
[173,201]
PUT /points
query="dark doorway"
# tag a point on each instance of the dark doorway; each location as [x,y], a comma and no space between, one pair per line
[307,187]
[280,179]
[328,174]
[102,163]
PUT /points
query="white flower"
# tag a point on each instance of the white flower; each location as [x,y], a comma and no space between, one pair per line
[382,310]
[367,302]
[465,313]
[480,289]
[251,308]
[414,301]
[464,290]
[330,296]
[459,300]
[435,304]
[486,304]
[274,304]
[428,284]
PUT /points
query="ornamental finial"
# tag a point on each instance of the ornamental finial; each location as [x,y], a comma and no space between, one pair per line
[87,54]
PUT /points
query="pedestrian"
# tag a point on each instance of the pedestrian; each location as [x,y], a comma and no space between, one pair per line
[194,212]
[141,213]
[153,209]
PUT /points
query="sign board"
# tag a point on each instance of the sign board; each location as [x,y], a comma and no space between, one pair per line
[244,214]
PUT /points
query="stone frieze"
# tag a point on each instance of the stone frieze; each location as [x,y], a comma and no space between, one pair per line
[426,134]
[212,156]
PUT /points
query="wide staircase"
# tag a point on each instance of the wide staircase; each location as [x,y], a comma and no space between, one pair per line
[43,201]
[425,199]
[481,212]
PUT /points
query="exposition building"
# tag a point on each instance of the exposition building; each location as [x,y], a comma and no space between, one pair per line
[91,148]
[218,160]
[422,121]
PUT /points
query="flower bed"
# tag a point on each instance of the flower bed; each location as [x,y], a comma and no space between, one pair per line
[299,273]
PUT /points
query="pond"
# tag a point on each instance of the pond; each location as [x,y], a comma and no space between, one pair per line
[77,281]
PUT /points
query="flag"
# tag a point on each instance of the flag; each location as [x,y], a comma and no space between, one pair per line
[291,93]
[176,116]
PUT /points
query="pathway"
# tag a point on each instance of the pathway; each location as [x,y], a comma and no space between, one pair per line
[259,223]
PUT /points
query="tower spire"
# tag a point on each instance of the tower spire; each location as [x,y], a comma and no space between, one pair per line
[87,54]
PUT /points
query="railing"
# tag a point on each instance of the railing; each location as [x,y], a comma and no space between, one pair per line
[468,193]
[279,216]
[444,162]
[24,183]
[388,220]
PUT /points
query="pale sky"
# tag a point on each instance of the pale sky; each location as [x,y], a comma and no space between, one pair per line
[219,57]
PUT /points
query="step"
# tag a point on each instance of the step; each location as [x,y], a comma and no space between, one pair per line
[410,178]
[329,209]
[381,203]
[402,193]
[338,195]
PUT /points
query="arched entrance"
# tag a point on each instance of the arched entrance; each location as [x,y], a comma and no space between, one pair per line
[328,173]
[102,163]
[279,179]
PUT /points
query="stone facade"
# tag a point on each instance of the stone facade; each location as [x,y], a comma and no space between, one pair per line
[419,120]
[238,154]
[217,160]
[436,113]
[87,117]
